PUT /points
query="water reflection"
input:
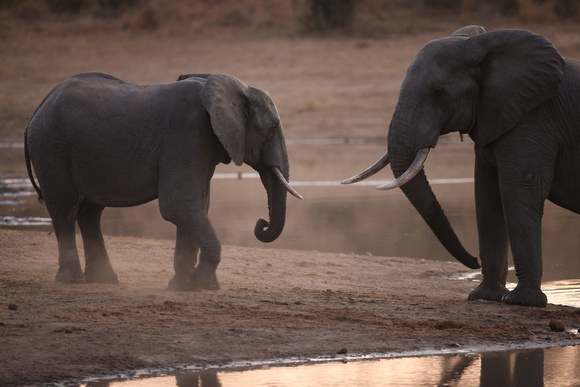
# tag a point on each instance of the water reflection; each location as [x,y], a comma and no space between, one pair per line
[532,367]
[564,292]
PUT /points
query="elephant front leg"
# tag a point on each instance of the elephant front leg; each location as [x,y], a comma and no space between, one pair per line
[492,232]
[193,231]
[185,259]
[204,274]
[524,222]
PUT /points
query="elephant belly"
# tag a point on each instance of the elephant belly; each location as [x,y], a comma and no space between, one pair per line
[565,191]
[115,187]
[565,198]
[117,199]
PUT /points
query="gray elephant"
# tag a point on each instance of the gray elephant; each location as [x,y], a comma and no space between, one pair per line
[96,141]
[519,100]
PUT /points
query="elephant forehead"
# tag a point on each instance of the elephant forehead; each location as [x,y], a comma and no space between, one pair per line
[440,53]
[436,61]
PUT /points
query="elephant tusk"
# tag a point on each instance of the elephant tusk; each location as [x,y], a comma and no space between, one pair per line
[411,172]
[377,166]
[286,185]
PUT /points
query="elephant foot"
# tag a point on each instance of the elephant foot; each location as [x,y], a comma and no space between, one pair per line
[526,296]
[183,283]
[101,274]
[70,274]
[490,292]
[204,276]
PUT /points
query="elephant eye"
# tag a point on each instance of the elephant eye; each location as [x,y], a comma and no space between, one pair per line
[439,92]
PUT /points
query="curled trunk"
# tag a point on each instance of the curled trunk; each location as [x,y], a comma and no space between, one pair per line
[269,230]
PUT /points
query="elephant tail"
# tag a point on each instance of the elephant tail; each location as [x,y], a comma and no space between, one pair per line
[29,166]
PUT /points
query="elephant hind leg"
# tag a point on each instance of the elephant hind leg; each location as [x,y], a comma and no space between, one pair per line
[63,215]
[98,265]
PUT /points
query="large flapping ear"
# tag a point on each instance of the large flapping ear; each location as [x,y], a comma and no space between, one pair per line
[519,71]
[187,76]
[225,99]
[469,31]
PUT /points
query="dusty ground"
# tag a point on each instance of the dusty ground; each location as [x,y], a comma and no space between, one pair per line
[273,304]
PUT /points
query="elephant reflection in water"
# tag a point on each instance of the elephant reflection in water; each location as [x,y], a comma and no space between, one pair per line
[513,94]
[195,379]
[182,379]
[497,369]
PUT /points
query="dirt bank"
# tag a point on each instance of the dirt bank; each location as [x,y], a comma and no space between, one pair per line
[273,304]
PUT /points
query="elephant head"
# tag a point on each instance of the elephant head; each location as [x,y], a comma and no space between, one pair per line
[247,124]
[474,82]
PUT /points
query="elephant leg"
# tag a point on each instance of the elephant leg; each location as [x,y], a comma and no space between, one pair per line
[63,221]
[524,222]
[493,240]
[98,266]
[204,274]
[185,259]
[526,171]
[194,231]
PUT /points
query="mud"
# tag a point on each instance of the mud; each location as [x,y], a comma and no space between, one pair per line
[273,304]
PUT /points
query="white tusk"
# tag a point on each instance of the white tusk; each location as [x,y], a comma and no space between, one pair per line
[377,166]
[286,184]
[411,172]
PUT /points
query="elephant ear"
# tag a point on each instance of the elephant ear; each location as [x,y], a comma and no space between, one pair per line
[519,71]
[469,31]
[225,99]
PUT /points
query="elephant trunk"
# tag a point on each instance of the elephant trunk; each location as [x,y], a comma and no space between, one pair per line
[274,171]
[269,230]
[421,196]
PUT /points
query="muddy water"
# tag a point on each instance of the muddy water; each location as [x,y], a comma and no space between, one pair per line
[528,367]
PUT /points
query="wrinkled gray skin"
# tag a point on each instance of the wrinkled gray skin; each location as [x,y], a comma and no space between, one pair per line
[519,101]
[97,141]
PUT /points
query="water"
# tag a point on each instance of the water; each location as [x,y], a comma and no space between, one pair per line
[527,367]
[346,219]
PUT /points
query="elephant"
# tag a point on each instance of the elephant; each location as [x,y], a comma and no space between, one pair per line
[513,94]
[96,141]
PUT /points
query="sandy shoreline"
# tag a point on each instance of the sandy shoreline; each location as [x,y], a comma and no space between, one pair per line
[273,304]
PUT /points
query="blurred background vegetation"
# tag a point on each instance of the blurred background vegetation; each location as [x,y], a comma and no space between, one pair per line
[346,17]
[270,41]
